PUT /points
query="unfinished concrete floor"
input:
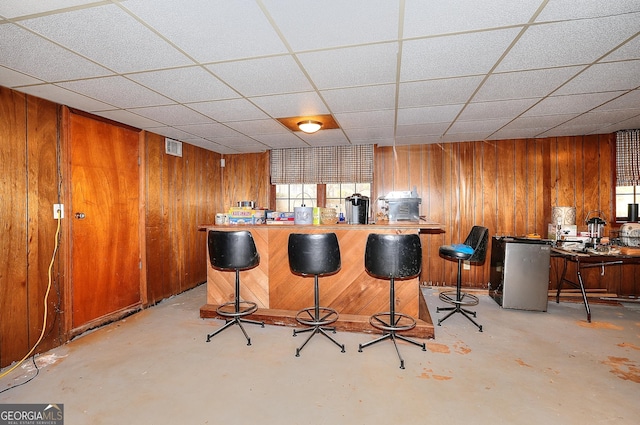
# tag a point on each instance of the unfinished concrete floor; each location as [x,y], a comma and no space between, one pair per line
[525,368]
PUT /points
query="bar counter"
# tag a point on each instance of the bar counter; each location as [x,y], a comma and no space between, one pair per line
[352,292]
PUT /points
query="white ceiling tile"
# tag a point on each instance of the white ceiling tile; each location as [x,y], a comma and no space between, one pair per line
[629,100]
[539,122]
[16,8]
[32,55]
[306,26]
[331,137]
[230,110]
[629,124]
[570,104]
[372,134]
[185,85]
[291,105]
[629,50]
[65,97]
[209,130]
[605,77]
[485,126]
[128,118]
[172,115]
[117,91]
[524,84]
[437,92]
[519,133]
[350,120]
[170,132]
[257,77]
[285,140]
[568,43]
[496,109]
[557,10]
[212,30]
[453,55]
[431,129]
[110,37]
[353,66]
[10,78]
[258,127]
[427,115]
[414,140]
[355,99]
[425,18]
[241,143]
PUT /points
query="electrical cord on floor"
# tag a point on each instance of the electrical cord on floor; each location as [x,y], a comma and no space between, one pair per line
[44,321]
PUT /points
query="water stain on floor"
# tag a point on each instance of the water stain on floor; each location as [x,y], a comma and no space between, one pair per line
[628,345]
[522,363]
[428,374]
[623,368]
[600,325]
[434,347]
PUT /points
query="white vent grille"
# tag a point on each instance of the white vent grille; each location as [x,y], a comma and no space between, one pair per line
[172,147]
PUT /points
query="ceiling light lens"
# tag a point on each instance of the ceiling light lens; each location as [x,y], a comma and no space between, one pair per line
[309,126]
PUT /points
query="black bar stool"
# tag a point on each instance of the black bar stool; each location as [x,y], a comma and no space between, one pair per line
[317,255]
[474,250]
[393,257]
[234,251]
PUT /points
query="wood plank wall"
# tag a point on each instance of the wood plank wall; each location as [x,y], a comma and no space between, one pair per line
[181,194]
[28,189]
[508,186]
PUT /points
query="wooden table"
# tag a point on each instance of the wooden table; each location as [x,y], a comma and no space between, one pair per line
[585,261]
[352,291]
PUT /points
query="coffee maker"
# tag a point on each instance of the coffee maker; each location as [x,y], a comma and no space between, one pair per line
[357,209]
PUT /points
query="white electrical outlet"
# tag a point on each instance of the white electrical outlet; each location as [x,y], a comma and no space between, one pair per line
[58,210]
[466,265]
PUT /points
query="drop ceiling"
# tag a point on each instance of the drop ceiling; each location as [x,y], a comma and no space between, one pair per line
[218,74]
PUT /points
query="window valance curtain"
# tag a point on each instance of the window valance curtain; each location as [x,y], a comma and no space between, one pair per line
[328,164]
[628,158]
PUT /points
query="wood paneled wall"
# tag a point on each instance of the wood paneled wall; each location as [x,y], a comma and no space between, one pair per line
[29,186]
[181,194]
[508,186]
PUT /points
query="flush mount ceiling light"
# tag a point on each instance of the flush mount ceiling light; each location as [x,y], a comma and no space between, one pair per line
[309,126]
[324,122]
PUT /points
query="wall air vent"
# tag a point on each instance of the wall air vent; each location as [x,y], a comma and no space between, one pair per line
[172,147]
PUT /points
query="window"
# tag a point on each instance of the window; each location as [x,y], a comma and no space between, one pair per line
[336,192]
[289,196]
[627,172]
[626,195]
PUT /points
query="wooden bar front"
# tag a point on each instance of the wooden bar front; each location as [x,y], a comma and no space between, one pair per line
[352,291]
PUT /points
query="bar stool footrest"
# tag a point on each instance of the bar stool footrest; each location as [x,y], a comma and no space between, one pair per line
[383,322]
[325,316]
[453,298]
[244,309]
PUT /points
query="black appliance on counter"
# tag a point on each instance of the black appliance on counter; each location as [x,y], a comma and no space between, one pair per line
[519,274]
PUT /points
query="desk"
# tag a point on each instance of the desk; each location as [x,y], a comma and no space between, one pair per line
[352,292]
[585,261]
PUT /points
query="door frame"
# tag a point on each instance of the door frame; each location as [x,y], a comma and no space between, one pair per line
[66,233]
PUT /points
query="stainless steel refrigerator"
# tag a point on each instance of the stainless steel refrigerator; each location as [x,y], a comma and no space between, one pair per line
[519,277]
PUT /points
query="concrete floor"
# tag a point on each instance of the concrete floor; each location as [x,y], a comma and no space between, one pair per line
[525,368]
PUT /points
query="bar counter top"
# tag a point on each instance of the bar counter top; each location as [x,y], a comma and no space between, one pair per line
[352,291]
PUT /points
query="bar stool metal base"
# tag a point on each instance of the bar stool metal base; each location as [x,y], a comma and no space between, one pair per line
[318,318]
[459,300]
[240,309]
[390,323]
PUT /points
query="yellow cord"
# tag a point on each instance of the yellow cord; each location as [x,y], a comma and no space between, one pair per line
[46,296]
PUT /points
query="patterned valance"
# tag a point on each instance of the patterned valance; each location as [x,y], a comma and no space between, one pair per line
[628,158]
[329,164]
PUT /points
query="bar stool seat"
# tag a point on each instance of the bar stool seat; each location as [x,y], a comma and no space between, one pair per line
[234,251]
[313,254]
[393,257]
